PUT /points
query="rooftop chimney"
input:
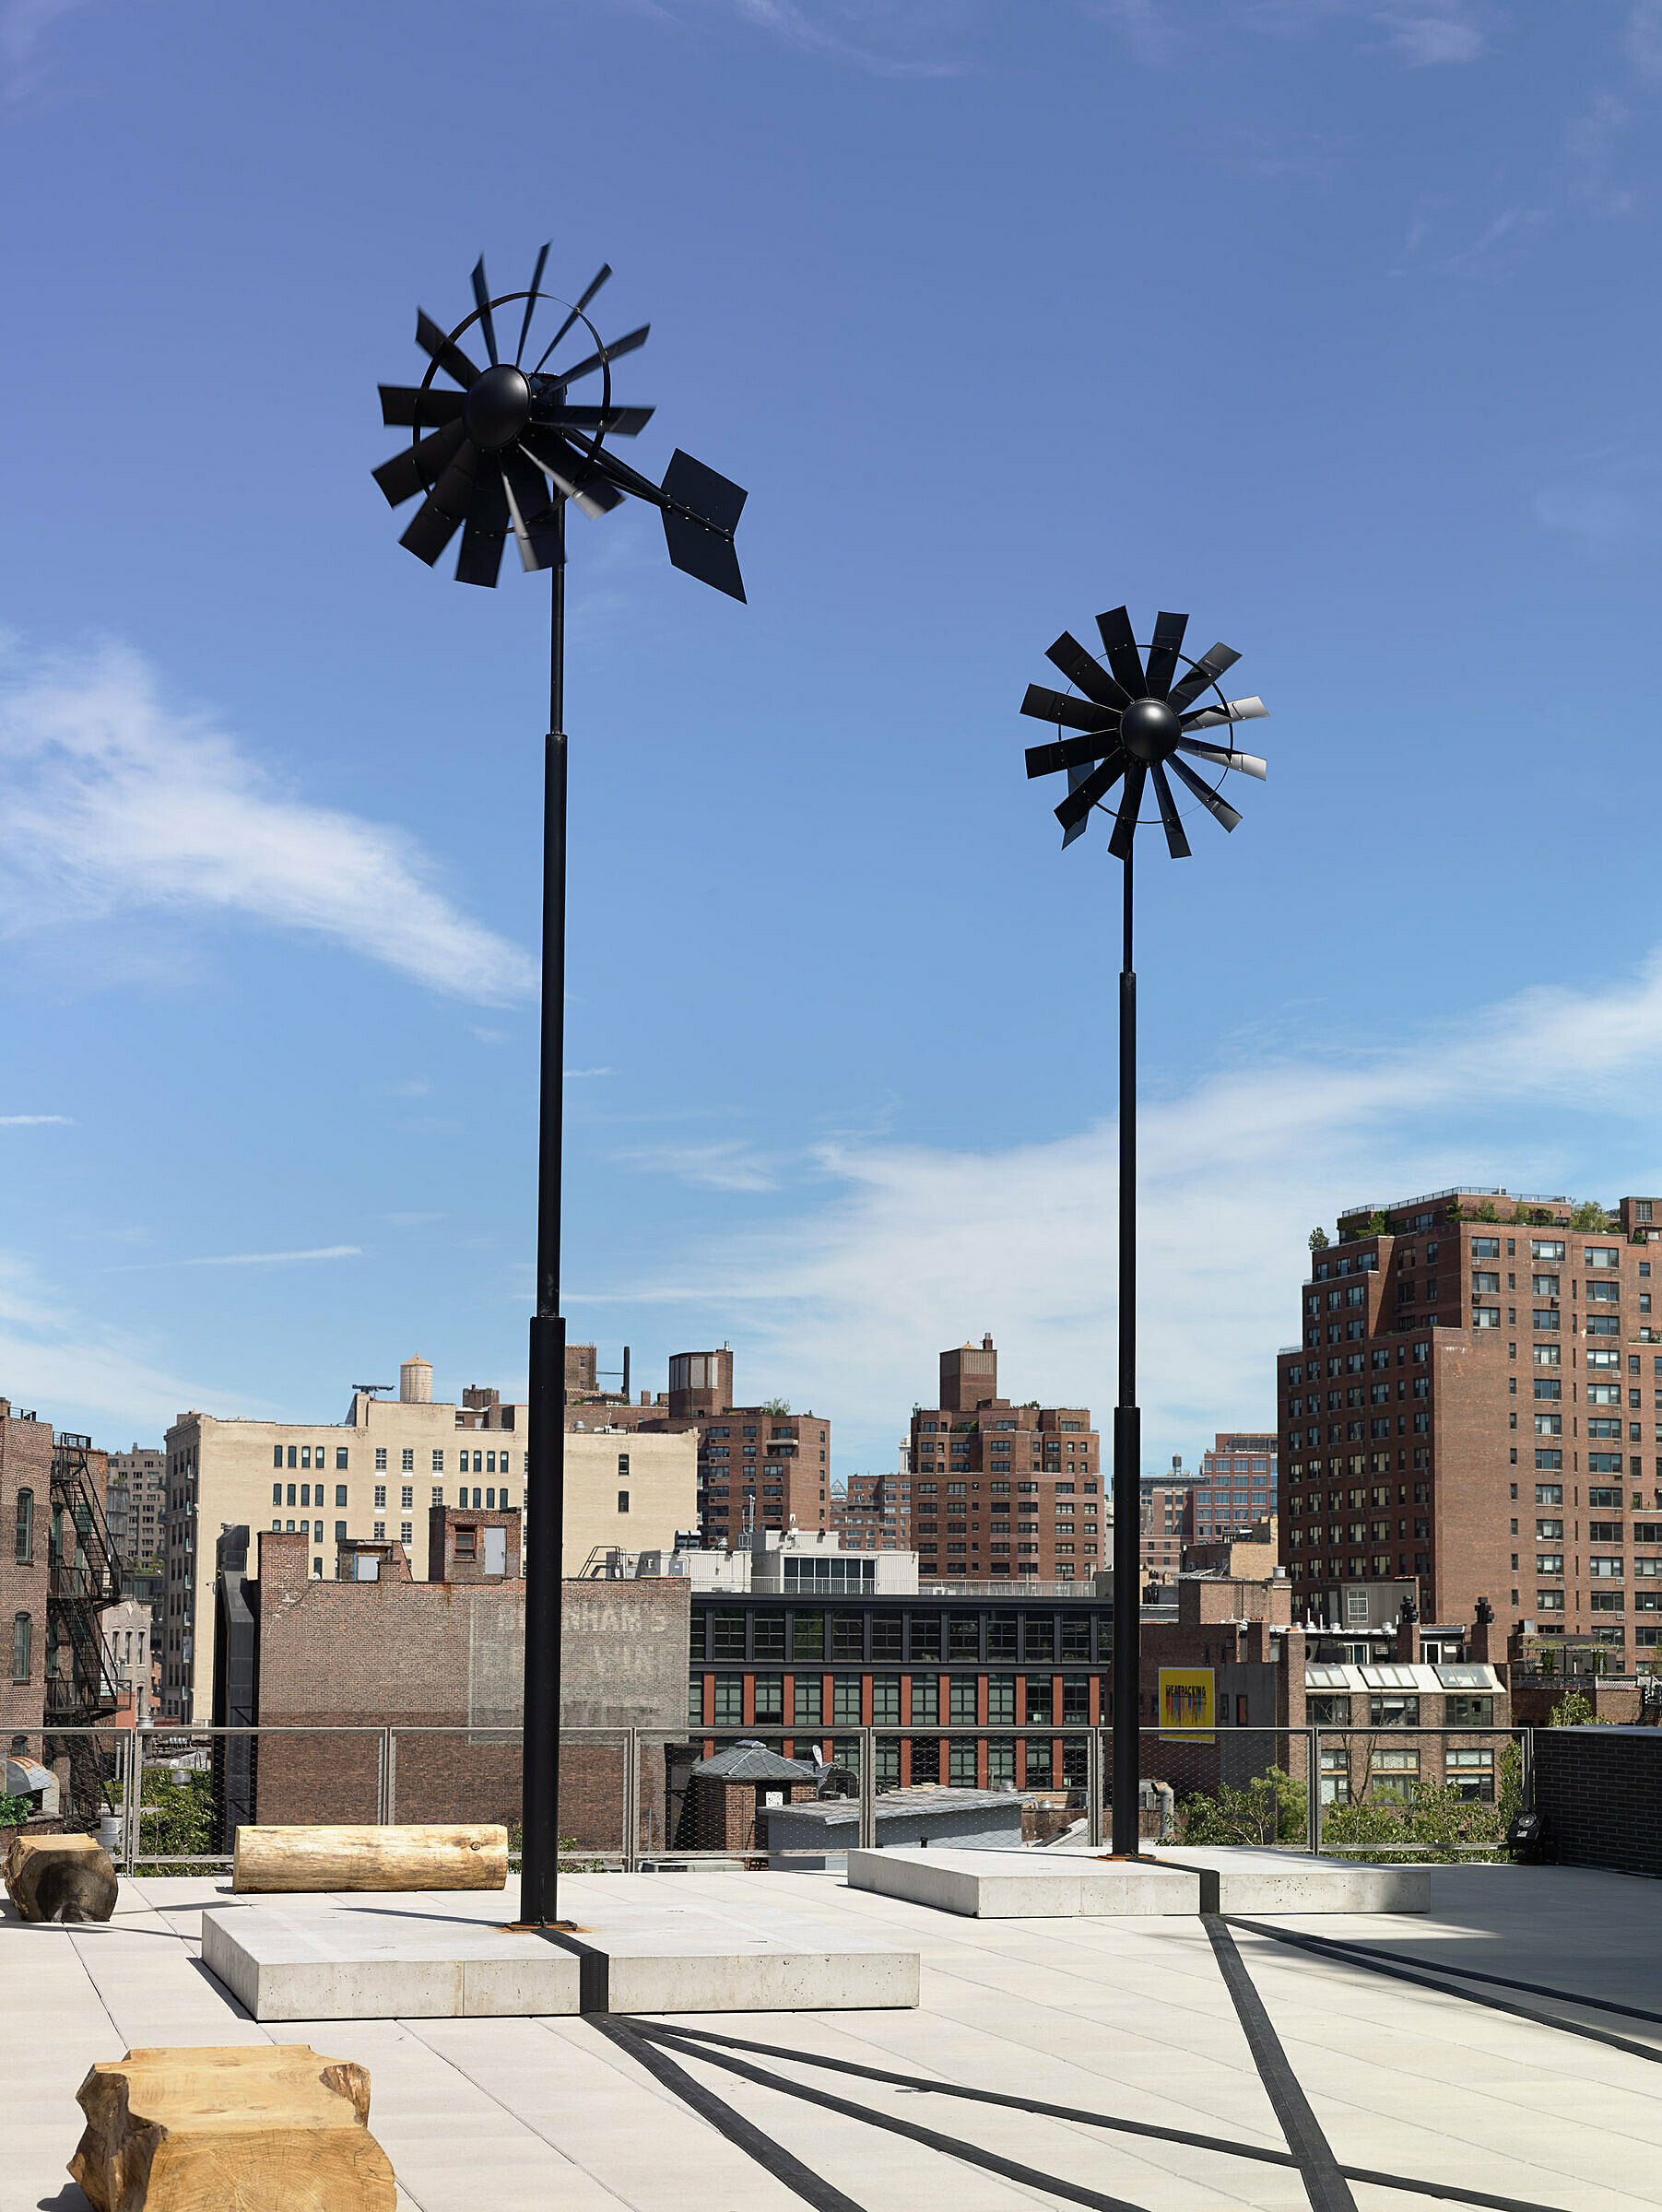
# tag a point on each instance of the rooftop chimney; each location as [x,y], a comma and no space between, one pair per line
[416,1383]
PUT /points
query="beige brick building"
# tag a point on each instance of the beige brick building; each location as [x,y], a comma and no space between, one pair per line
[375,1476]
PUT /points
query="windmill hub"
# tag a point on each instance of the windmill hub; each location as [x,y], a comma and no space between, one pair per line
[498,408]
[1150,729]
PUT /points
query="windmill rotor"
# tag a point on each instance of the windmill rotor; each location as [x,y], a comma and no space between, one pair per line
[1134,719]
[497,457]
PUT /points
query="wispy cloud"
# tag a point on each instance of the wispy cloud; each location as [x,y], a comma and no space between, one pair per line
[576,1074]
[1422,34]
[883,38]
[848,1302]
[118,804]
[37,1121]
[23,28]
[1426,38]
[1607,500]
[245,1259]
[716,1166]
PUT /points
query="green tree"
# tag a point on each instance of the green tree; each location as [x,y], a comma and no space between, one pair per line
[1318,1239]
[1575,1709]
[1270,1809]
[14,1811]
[178,1817]
[1379,1224]
[776,1405]
[1589,1214]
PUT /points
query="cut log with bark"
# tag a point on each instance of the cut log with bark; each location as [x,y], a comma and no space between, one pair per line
[266,2128]
[60,1877]
[450,1857]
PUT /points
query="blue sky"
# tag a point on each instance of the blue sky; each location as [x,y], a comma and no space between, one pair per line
[1330,320]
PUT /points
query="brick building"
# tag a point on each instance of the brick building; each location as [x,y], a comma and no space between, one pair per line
[759,1466]
[872,1512]
[25,1522]
[136,1489]
[1002,1491]
[390,1651]
[372,1478]
[1162,1509]
[820,1663]
[1476,1403]
[1235,1488]
[1272,1679]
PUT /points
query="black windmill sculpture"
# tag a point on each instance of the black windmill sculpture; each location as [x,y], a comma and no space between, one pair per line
[1135,722]
[498,452]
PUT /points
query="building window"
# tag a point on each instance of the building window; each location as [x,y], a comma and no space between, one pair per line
[623,1474]
[22,1646]
[408,1461]
[340,1459]
[277,1456]
[808,1700]
[406,1532]
[438,1494]
[438,1467]
[381,1530]
[380,1459]
[468,1543]
[26,1528]
[341,1532]
[623,1501]
[340,1493]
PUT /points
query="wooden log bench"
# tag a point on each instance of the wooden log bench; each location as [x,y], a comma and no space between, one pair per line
[319,1859]
[266,2128]
[60,1877]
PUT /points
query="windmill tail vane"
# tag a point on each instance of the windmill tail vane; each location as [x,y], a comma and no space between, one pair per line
[1137,722]
[504,448]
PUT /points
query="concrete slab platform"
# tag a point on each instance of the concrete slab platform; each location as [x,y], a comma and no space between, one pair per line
[645,1944]
[664,1954]
[324,1962]
[1026,1885]
[1238,1878]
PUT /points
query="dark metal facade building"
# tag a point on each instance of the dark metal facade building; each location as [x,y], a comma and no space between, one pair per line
[820,1665]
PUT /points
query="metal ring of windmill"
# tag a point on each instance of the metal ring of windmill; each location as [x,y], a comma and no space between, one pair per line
[499,456]
[1134,722]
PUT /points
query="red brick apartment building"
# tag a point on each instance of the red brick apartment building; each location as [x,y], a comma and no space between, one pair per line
[1477,1402]
[1235,1489]
[25,1520]
[758,1465]
[1002,1491]
[1163,1507]
[872,1512]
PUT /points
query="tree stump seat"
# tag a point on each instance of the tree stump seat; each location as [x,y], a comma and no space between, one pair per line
[60,1877]
[264,2127]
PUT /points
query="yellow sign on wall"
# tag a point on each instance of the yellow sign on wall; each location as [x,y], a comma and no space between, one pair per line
[1188,1711]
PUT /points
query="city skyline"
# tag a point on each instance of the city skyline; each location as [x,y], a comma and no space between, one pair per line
[266,861]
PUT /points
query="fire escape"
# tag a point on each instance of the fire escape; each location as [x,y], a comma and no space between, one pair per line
[85,1577]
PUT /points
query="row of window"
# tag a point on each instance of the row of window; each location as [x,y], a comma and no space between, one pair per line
[1009,1700]
[803,1634]
[484,1462]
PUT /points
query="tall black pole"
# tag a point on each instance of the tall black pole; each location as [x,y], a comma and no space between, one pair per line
[1128,1439]
[545,1490]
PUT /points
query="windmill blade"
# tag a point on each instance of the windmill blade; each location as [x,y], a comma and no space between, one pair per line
[531,298]
[594,284]
[1131,800]
[700,514]
[534,516]
[1209,798]
[437,348]
[1076,776]
[622,422]
[570,473]
[1045,705]
[1177,844]
[1164,653]
[1205,671]
[1084,671]
[410,407]
[1119,642]
[618,347]
[419,465]
[482,293]
[1223,756]
[1237,710]
[440,513]
[487,530]
[1068,752]
[1084,795]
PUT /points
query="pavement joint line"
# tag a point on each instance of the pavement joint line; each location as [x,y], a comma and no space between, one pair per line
[1323,2184]
[1375,1965]
[1259,2154]
[769,2154]
[1010,2170]
[1467,1973]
